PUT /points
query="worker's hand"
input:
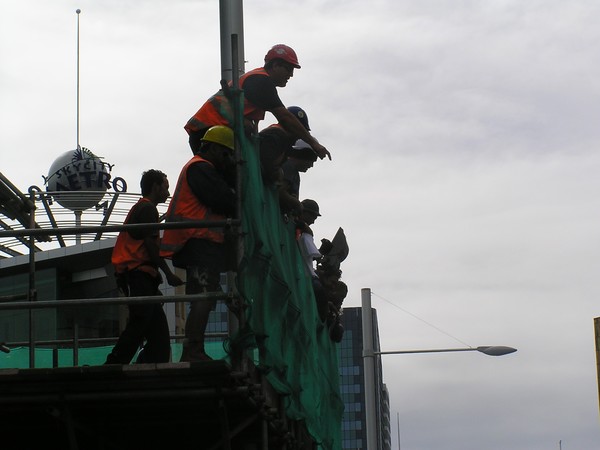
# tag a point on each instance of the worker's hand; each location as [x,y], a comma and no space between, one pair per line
[326,246]
[321,151]
[174,280]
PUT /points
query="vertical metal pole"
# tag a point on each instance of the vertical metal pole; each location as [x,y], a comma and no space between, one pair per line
[369,369]
[398,428]
[232,22]
[31,292]
[78,11]
[239,129]
[238,125]
[55,357]
[265,435]
[78,215]
[76,341]
[597,336]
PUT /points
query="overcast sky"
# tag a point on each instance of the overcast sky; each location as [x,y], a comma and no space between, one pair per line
[465,167]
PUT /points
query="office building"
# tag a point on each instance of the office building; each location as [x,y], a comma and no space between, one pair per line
[352,385]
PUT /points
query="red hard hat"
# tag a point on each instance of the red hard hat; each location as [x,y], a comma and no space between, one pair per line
[281,51]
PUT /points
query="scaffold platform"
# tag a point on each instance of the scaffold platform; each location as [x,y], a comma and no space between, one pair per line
[182,406]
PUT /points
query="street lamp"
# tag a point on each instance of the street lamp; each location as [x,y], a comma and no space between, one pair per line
[490,350]
[369,363]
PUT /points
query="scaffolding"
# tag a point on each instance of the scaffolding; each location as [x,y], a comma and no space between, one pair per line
[277,388]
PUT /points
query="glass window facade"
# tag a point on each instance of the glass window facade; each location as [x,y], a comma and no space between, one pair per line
[352,386]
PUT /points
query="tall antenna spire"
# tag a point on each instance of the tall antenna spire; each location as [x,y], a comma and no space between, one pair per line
[78,11]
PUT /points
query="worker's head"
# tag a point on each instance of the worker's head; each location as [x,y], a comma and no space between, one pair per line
[155,184]
[217,146]
[280,62]
[302,155]
[310,211]
[273,143]
[300,115]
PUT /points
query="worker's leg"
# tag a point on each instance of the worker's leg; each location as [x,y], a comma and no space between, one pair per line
[158,341]
[321,298]
[140,319]
[198,280]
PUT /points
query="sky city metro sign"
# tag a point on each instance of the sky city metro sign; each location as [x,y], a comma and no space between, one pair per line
[81,171]
[80,190]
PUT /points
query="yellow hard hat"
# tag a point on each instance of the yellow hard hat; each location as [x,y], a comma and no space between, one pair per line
[219,134]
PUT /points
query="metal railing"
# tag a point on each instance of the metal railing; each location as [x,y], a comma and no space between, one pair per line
[12,302]
[38,231]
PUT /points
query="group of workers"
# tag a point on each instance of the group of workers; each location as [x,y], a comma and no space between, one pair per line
[205,190]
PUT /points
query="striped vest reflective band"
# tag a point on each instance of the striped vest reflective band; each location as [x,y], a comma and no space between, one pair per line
[217,109]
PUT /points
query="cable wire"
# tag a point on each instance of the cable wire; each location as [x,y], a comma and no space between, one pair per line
[422,320]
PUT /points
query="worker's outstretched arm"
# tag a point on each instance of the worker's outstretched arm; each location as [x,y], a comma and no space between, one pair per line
[292,125]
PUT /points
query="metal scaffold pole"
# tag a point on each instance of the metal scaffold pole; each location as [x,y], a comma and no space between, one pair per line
[369,368]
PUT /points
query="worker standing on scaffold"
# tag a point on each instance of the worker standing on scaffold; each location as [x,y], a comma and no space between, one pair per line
[202,193]
[136,260]
[260,95]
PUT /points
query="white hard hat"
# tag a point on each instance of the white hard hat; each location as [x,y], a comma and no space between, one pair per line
[300,144]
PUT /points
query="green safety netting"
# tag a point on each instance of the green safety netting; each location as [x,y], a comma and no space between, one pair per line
[299,358]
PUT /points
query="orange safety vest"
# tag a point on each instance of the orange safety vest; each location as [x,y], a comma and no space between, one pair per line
[186,206]
[129,253]
[217,109]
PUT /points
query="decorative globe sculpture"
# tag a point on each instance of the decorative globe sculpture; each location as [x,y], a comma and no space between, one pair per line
[78,179]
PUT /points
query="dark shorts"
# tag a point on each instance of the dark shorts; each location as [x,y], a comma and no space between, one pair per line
[203,253]
[142,284]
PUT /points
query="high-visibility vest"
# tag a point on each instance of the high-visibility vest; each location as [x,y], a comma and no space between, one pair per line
[186,206]
[218,111]
[129,253]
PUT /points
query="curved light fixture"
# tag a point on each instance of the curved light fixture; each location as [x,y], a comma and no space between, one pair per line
[496,350]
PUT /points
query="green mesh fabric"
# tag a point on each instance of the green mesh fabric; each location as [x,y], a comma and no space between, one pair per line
[295,350]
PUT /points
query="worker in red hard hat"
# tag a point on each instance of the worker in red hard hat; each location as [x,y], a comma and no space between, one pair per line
[260,95]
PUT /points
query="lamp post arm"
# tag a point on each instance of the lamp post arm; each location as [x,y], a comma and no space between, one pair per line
[493,350]
[440,350]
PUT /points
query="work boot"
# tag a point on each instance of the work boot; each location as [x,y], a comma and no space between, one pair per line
[193,351]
